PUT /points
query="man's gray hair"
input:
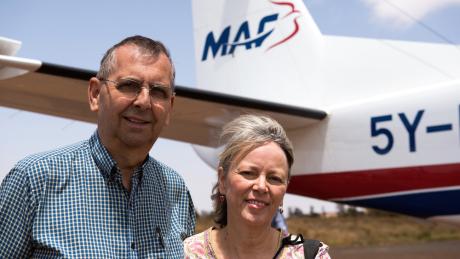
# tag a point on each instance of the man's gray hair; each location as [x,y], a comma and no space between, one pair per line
[145,46]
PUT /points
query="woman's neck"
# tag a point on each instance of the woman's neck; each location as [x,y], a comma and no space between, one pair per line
[239,241]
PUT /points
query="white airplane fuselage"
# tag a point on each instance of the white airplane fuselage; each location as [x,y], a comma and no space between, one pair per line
[399,152]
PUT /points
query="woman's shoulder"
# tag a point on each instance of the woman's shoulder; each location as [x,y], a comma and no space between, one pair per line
[197,246]
[197,239]
[323,252]
[297,250]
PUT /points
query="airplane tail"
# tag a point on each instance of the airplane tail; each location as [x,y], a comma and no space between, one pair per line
[13,66]
[272,50]
[267,50]
[9,47]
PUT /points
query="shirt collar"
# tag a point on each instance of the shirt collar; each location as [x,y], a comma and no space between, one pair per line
[105,162]
[101,156]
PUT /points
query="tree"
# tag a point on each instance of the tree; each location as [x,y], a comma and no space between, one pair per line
[313,213]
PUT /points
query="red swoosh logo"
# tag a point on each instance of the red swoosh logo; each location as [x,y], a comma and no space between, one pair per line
[296,24]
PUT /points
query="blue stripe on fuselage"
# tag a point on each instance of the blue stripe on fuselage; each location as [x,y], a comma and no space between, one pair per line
[427,204]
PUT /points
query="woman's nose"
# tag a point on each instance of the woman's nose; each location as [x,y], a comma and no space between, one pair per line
[261,184]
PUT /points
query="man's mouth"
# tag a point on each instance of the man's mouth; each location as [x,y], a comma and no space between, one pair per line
[136,120]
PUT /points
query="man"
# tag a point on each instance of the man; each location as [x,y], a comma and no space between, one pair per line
[105,197]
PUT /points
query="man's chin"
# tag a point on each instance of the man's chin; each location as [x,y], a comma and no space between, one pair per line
[138,141]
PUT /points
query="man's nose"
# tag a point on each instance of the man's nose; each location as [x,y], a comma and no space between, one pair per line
[143,99]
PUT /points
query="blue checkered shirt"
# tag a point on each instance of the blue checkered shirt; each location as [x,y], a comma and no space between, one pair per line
[71,203]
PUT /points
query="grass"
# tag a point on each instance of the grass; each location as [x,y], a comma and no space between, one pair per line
[371,229]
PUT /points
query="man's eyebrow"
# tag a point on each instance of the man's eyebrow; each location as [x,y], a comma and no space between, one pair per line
[128,78]
[151,84]
[159,85]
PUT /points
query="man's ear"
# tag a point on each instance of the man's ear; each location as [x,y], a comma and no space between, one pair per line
[94,89]
[221,179]
[171,103]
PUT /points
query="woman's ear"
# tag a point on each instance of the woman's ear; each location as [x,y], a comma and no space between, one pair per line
[221,179]
[94,89]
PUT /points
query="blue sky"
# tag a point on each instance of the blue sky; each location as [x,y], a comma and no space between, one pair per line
[76,33]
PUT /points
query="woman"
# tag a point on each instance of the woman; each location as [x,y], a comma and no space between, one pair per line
[253,175]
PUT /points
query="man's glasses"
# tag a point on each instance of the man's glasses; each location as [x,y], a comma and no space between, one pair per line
[131,88]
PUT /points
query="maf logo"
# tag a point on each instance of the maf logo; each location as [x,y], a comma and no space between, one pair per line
[243,36]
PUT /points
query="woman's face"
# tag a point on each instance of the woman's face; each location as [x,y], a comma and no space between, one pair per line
[255,186]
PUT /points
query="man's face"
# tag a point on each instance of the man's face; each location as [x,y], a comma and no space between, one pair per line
[132,122]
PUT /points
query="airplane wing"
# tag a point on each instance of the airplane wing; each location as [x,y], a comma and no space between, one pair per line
[198,115]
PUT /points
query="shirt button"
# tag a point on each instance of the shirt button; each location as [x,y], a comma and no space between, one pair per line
[133,246]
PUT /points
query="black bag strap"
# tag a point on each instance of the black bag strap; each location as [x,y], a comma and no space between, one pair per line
[289,240]
[310,248]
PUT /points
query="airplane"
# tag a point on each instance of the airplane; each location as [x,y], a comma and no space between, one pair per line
[375,123]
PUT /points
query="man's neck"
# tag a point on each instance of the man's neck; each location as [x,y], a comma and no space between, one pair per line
[127,160]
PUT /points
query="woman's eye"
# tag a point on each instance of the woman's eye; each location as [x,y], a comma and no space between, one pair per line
[248,174]
[276,180]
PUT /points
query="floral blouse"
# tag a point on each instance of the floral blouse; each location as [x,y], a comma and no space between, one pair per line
[199,246]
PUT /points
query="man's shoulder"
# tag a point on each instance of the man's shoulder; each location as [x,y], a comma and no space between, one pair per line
[35,169]
[52,157]
[164,171]
[163,168]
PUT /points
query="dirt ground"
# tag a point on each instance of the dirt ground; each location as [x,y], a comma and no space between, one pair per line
[440,249]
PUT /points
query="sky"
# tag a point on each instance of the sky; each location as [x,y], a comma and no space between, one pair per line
[77,33]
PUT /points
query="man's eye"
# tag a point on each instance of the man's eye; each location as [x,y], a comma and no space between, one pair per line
[158,92]
[128,87]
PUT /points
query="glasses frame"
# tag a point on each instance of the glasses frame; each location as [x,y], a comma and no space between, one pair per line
[149,87]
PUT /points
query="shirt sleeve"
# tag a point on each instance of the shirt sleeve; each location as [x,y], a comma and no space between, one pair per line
[195,247]
[190,228]
[16,215]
